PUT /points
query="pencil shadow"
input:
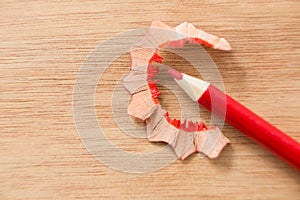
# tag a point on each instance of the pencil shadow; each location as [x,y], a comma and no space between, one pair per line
[225,161]
[189,159]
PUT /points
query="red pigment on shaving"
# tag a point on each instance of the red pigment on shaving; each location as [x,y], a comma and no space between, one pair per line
[190,127]
[152,71]
[154,91]
[202,42]
[156,58]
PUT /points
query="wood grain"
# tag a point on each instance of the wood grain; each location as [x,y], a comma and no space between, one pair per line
[44,43]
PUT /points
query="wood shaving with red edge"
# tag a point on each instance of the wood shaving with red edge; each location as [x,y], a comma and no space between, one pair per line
[184,137]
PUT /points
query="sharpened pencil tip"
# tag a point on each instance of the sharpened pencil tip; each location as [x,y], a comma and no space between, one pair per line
[175,74]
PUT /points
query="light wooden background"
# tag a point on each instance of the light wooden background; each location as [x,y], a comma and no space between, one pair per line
[44,43]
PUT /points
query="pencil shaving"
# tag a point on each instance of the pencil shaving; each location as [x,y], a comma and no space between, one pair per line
[184,137]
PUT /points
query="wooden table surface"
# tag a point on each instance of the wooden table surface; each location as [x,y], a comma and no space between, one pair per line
[44,43]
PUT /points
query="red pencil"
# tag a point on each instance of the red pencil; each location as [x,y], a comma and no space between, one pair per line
[240,117]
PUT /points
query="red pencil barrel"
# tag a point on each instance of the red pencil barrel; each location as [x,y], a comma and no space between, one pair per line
[251,125]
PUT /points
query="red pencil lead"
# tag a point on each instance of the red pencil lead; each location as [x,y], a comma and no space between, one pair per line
[175,74]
